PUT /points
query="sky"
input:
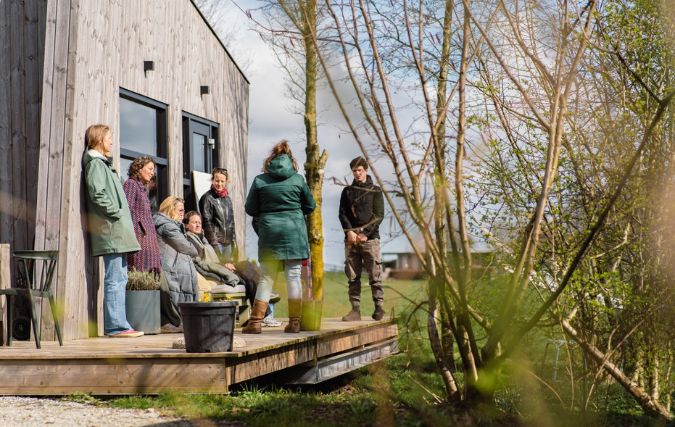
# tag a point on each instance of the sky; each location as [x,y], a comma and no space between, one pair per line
[272,119]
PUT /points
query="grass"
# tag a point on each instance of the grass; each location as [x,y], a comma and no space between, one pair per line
[380,394]
[398,295]
[388,393]
[361,398]
[403,390]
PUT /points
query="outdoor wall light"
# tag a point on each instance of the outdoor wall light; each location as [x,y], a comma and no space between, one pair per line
[204,90]
[148,66]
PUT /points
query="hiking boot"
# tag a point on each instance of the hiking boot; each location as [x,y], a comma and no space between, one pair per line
[257,315]
[353,316]
[379,313]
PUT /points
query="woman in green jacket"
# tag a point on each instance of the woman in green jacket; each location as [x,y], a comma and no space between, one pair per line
[280,199]
[110,228]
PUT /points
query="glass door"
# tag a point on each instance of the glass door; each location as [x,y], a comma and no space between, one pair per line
[200,152]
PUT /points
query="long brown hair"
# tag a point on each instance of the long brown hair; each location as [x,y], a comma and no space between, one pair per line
[138,164]
[279,149]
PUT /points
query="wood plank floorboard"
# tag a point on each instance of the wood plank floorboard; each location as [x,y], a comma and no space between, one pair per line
[160,345]
[150,365]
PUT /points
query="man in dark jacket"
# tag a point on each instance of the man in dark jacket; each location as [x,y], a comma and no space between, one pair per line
[361,212]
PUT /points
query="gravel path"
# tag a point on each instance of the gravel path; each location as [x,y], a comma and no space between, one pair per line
[30,412]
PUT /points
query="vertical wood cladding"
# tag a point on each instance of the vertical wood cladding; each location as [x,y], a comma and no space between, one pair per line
[22,36]
[93,48]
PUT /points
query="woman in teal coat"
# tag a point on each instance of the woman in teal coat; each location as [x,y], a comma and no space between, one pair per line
[280,199]
[110,228]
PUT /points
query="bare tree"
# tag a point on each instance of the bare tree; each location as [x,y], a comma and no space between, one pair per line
[289,28]
[536,49]
[215,12]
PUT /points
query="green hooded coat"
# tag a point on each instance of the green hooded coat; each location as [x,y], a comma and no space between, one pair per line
[111,228]
[281,199]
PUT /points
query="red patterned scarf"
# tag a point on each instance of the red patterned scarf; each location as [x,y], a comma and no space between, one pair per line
[222,193]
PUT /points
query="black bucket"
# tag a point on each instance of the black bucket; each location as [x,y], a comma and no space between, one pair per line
[208,326]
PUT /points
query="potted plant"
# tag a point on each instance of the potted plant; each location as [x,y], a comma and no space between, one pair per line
[143,312]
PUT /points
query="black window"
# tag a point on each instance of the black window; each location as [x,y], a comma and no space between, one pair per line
[200,152]
[143,124]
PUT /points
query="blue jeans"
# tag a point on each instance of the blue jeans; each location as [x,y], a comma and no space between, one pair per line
[270,269]
[114,294]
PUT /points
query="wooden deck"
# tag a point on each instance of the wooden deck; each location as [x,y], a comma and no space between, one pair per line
[148,365]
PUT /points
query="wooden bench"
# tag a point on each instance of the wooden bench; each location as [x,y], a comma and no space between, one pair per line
[240,298]
[237,294]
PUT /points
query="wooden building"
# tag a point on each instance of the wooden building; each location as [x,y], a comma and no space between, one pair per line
[154,71]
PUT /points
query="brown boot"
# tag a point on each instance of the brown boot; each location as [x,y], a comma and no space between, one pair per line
[379,313]
[257,315]
[354,315]
[294,314]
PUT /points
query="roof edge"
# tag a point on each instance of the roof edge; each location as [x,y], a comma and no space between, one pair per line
[206,21]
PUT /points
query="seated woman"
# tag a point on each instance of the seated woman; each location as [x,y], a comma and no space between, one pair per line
[207,263]
[179,281]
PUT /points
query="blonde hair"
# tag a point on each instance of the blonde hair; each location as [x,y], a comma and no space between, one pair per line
[168,207]
[279,149]
[95,134]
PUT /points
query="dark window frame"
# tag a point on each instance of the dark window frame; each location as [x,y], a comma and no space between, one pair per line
[214,129]
[161,158]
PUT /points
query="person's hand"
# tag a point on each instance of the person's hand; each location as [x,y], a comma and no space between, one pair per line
[352,237]
[229,266]
[362,238]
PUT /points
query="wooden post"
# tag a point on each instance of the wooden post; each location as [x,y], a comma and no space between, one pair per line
[4,284]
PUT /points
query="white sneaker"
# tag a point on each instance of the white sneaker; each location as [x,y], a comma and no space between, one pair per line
[270,321]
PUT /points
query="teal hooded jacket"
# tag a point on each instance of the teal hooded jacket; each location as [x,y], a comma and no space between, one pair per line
[280,199]
[109,220]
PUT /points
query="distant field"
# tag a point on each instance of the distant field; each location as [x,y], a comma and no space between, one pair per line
[398,295]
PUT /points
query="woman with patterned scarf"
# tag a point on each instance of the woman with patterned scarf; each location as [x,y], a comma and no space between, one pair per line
[218,217]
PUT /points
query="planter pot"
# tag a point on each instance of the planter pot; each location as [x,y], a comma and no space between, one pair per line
[311,315]
[143,313]
[208,326]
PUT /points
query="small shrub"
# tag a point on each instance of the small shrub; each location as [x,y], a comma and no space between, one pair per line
[80,397]
[143,281]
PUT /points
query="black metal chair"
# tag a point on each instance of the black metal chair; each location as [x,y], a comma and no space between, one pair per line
[29,259]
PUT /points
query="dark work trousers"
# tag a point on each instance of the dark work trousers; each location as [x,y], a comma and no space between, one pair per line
[356,255]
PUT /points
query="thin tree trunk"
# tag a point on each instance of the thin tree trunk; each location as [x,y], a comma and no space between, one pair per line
[432,327]
[442,206]
[315,163]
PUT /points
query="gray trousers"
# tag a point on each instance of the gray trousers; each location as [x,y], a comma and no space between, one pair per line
[367,253]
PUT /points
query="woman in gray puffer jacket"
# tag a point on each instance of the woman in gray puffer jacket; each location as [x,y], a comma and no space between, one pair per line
[176,251]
